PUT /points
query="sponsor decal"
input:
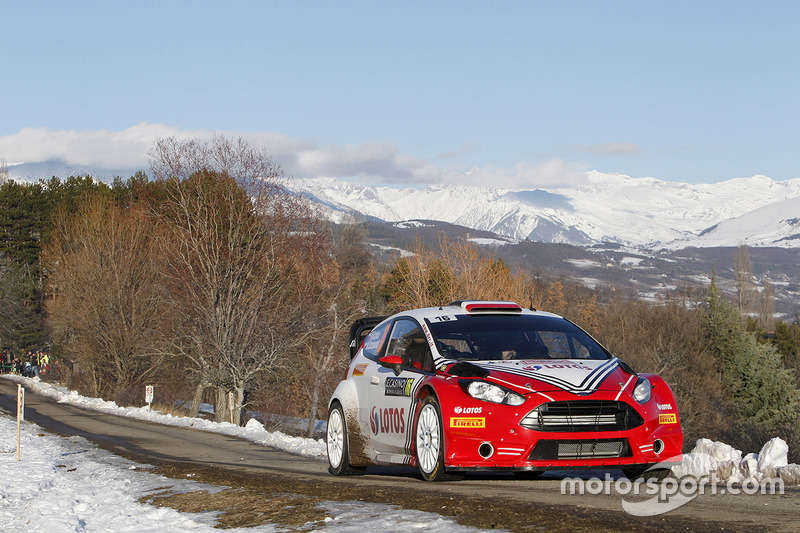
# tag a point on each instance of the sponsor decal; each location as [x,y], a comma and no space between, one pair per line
[536,368]
[468,410]
[373,344]
[398,386]
[390,420]
[664,407]
[466,422]
[670,418]
[577,378]
[359,370]
[427,334]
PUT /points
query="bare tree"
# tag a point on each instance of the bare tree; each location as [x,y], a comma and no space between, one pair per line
[455,270]
[106,303]
[766,306]
[743,271]
[342,292]
[238,241]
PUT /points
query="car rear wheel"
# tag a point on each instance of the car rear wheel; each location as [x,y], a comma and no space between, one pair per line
[429,440]
[336,441]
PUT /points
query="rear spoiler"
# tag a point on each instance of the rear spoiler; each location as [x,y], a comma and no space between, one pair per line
[360,329]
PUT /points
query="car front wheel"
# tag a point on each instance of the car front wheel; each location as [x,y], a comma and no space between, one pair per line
[429,440]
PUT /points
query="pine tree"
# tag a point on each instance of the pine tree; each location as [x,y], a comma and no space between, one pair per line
[759,385]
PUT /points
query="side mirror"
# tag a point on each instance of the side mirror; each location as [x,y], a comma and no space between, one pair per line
[392,361]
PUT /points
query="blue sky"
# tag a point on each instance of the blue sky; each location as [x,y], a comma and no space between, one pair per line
[533,92]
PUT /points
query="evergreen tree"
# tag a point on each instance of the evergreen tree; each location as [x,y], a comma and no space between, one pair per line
[761,388]
[787,342]
[24,212]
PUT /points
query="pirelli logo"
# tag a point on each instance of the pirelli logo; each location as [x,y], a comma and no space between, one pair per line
[670,418]
[467,422]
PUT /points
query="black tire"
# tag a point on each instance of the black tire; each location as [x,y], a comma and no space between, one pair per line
[429,440]
[337,445]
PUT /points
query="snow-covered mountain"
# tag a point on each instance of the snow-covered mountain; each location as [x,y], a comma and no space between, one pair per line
[639,212]
[44,170]
[776,224]
[636,212]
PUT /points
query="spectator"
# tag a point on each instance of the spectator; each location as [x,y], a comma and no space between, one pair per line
[7,361]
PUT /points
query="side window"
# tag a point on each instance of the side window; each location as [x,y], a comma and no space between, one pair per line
[375,341]
[408,341]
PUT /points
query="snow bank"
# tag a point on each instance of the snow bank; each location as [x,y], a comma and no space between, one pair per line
[728,465]
[254,431]
[68,484]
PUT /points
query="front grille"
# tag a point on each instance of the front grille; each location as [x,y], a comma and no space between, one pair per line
[582,415]
[553,450]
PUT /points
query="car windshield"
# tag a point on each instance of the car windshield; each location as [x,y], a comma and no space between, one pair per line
[503,337]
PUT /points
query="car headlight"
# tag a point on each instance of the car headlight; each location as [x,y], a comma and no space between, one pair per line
[487,392]
[642,391]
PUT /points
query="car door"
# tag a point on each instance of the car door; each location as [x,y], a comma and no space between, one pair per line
[390,397]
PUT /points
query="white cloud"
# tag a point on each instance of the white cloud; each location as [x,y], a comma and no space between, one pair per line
[368,162]
[373,163]
[553,173]
[102,148]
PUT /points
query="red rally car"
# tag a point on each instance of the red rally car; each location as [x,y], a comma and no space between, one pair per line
[489,386]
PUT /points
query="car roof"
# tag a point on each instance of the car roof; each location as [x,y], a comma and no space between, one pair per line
[472,308]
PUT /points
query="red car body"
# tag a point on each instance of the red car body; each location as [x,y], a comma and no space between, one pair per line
[489,386]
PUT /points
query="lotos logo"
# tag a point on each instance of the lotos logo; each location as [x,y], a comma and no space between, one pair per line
[389,420]
[468,410]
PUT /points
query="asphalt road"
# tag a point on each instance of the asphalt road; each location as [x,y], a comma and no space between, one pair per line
[499,501]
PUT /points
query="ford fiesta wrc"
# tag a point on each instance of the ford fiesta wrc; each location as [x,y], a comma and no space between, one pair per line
[490,386]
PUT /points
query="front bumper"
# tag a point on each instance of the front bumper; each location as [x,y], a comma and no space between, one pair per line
[500,442]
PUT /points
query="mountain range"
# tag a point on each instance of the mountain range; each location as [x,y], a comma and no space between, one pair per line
[643,213]
[614,231]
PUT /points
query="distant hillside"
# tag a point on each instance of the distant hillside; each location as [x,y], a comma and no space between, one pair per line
[607,266]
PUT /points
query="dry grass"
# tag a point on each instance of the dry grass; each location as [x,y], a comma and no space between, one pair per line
[247,508]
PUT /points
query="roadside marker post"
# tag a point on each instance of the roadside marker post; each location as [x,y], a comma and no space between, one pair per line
[20,411]
[148,396]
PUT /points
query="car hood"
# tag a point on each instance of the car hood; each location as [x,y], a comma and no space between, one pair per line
[578,376]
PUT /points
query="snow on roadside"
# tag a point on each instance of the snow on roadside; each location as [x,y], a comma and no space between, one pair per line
[68,484]
[723,461]
[254,431]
